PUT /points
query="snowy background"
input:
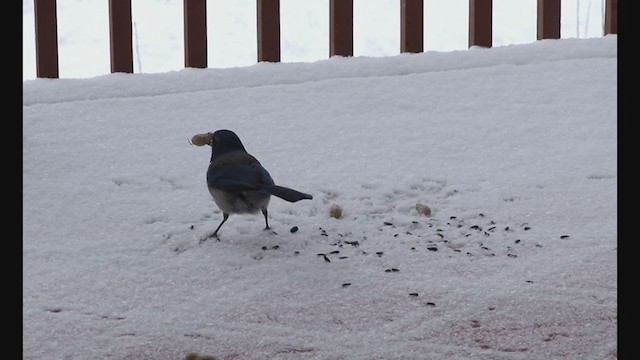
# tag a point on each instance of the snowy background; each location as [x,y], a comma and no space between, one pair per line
[158,45]
[513,148]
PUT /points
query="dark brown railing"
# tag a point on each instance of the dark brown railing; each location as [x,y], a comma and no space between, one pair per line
[268,29]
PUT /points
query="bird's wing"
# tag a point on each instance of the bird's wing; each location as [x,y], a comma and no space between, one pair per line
[237,176]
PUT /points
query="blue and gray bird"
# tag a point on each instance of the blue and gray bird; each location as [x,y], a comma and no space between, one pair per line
[237,181]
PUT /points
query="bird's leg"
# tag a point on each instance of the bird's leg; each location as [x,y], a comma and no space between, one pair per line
[225,216]
[266,219]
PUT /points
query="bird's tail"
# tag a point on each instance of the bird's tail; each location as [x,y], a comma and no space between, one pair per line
[287,194]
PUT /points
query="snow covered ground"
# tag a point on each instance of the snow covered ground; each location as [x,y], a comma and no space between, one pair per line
[513,148]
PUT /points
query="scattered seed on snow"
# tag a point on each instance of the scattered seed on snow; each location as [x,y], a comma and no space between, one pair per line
[423,209]
[564,236]
[413,294]
[335,211]
[294,229]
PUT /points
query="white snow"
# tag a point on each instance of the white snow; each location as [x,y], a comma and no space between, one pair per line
[517,140]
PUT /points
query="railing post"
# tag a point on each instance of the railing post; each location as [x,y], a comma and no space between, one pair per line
[611,17]
[341,27]
[268,30]
[480,23]
[548,19]
[120,36]
[195,33]
[46,30]
[411,26]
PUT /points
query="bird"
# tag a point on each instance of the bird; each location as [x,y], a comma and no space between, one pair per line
[236,180]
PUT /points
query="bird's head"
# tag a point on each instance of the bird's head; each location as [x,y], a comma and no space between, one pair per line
[221,141]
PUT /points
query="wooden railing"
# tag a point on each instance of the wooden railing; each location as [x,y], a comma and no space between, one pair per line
[268,18]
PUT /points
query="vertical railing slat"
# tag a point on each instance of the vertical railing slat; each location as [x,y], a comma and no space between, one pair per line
[480,23]
[268,30]
[46,31]
[411,26]
[548,19]
[120,36]
[341,27]
[611,17]
[195,33]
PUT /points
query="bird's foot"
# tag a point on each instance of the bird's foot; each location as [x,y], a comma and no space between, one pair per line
[270,231]
[214,235]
